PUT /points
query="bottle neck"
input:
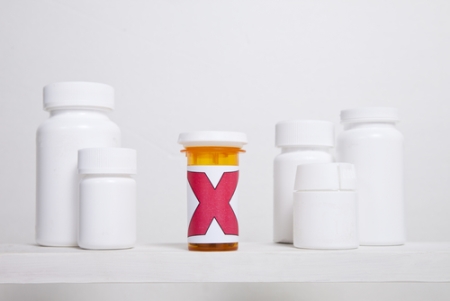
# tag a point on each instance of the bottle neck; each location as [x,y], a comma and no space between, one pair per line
[210,155]
[290,149]
[90,176]
[79,112]
[370,124]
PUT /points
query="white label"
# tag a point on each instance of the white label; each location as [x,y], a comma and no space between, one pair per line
[212,204]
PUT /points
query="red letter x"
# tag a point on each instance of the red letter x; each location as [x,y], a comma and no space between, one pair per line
[214,203]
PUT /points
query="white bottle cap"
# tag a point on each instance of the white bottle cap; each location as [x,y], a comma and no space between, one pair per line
[78,94]
[304,133]
[325,176]
[213,138]
[107,160]
[370,114]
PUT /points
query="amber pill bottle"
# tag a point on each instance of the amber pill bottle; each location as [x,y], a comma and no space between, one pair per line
[212,176]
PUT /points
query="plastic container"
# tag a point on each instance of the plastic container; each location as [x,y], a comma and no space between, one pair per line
[301,142]
[107,198]
[325,207]
[212,190]
[78,119]
[371,142]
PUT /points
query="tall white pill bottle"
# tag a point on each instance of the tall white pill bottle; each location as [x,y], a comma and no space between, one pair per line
[372,142]
[301,142]
[78,119]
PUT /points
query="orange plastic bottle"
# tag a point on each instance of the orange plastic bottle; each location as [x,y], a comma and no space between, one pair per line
[213,175]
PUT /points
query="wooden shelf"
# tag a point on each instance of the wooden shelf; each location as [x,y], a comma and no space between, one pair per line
[253,262]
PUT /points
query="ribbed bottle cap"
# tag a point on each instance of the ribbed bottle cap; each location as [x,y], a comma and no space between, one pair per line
[213,138]
[325,176]
[304,133]
[107,160]
[370,114]
[78,94]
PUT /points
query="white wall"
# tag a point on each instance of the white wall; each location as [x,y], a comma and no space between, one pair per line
[227,65]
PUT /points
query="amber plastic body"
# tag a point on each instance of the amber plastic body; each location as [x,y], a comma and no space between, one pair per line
[213,155]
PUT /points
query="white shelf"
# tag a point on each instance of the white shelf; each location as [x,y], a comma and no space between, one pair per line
[253,262]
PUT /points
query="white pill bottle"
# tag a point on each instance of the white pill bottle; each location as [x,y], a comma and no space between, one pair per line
[78,119]
[372,142]
[325,207]
[107,198]
[301,142]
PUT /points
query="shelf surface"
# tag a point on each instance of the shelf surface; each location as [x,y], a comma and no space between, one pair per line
[253,262]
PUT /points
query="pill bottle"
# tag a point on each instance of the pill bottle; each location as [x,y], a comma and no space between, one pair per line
[212,188]
[301,141]
[325,207]
[372,142]
[107,217]
[78,119]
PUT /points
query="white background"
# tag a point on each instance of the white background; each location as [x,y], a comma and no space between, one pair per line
[227,65]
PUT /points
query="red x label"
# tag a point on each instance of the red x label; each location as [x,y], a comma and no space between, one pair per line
[214,203]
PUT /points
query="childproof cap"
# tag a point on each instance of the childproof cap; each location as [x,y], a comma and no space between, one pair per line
[325,206]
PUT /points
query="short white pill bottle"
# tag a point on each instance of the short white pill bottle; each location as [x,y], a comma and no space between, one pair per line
[301,142]
[325,207]
[372,142]
[107,198]
[78,119]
